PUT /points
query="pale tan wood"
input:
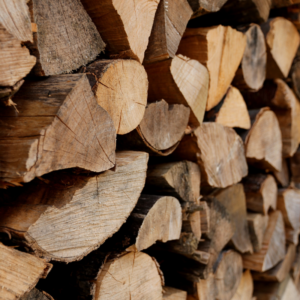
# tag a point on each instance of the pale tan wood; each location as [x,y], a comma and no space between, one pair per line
[19,272]
[245,289]
[205,217]
[261,192]
[257,225]
[283,177]
[292,235]
[125,26]
[281,37]
[263,144]
[174,294]
[273,248]
[59,126]
[169,25]
[64,30]
[35,294]
[120,87]
[221,50]
[218,150]
[180,80]
[206,288]
[43,216]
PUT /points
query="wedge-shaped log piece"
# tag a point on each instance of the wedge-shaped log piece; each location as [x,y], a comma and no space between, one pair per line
[221,50]
[205,217]
[295,270]
[263,143]
[63,31]
[261,193]
[257,225]
[19,272]
[273,248]
[245,289]
[43,215]
[180,80]
[282,100]
[174,294]
[201,7]
[121,89]
[295,168]
[234,200]
[283,176]
[160,131]
[252,72]
[231,111]
[124,26]
[59,126]
[35,294]
[295,70]
[281,270]
[169,25]
[281,37]
[218,150]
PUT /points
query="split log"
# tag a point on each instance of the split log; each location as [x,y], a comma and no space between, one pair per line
[35,294]
[160,130]
[245,289]
[273,248]
[124,27]
[257,225]
[281,270]
[169,25]
[180,80]
[295,270]
[295,72]
[201,7]
[174,294]
[218,150]
[231,111]
[234,200]
[263,143]
[295,168]
[120,87]
[252,72]
[205,217]
[42,216]
[281,99]
[221,50]
[7,93]
[292,235]
[59,126]
[283,176]
[20,272]
[261,192]
[281,37]
[282,3]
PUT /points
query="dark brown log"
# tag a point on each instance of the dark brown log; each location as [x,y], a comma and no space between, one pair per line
[173,294]
[42,217]
[221,50]
[180,80]
[201,7]
[160,130]
[295,72]
[7,93]
[281,3]
[58,125]
[295,168]
[35,294]
[169,25]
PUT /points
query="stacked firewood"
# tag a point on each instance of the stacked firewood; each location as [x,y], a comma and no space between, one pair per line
[149,149]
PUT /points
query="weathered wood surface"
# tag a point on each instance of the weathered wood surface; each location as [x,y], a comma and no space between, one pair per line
[294,164]
[19,272]
[245,289]
[283,176]
[125,26]
[35,294]
[58,125]
[221,50]
[42,216]
[174,294]
[180,80]
[120,87]
[201,7]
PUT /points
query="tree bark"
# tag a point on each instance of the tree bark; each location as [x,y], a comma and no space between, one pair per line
[42,216]
[245,289]
[180,80]
[220,49]
[59,126]
[120,87]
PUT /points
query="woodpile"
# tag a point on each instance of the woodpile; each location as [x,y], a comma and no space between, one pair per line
[150,150]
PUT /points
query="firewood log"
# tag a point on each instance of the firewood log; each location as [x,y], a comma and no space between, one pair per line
[169,25]
[218,150]
[281,270]
[281,3]
[261,192]
[180,80]
[295,73]
[20,272]
[295,170]
[292,235]
[295,269]
[7,93]
[58,125]
[281,99]
[245,289]
[252,72]
[120,87]
[100,202]
[273,248]
[35,294]
[281,37]
[283,176]
[263,143]
[160,130]
[170,293]
[201,7]
[234,200]
[257,225]
[124,27]
[231,111]
[63,31]
[221,50]
[205,217]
